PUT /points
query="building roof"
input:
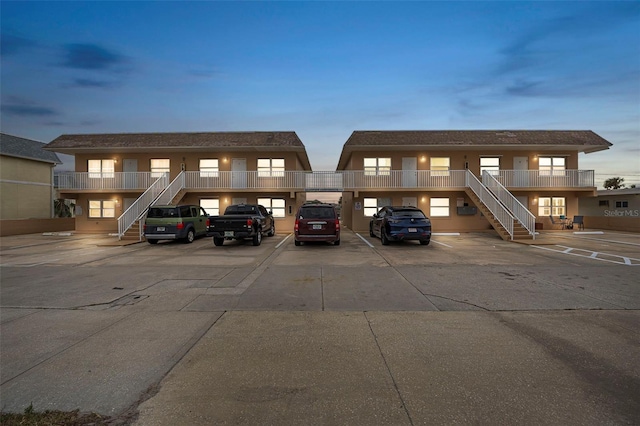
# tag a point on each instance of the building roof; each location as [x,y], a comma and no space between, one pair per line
[14,146]
[208,141]
[574,140]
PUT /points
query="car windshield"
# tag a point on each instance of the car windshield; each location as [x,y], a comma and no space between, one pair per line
[159,212]
[316,213]
[409,213]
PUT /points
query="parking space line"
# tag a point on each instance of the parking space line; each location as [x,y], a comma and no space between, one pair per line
[438,242]
[282,242]
[365,241]
[593,255]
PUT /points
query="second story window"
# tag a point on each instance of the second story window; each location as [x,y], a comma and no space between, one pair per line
[270,167]
[490,164]
[551,166]
[377,166]
[101,168]
[209,167]
[159,166]
[440,166]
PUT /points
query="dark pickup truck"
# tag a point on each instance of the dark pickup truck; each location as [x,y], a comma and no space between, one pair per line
[242,221]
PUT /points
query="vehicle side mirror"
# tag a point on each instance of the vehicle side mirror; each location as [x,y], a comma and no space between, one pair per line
[375,215]
[271,212]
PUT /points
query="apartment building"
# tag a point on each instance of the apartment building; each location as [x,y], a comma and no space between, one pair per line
[117,176]
[512,181]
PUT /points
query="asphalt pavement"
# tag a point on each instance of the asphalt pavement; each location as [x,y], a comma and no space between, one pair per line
[468,330]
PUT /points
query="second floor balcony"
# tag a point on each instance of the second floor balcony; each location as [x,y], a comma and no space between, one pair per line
[348,180]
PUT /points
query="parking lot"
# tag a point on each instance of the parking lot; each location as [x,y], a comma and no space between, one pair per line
[468,329]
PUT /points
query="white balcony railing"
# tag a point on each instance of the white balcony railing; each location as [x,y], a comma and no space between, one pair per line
[100,181]
[545,179]
[325,181]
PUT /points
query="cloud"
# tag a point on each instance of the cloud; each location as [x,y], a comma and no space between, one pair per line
[92,83]
[11,44]
[27,110]
[91,57]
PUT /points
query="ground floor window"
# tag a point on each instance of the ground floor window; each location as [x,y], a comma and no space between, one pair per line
[211,206]
[439,207]
[372,205]
[276,205]
[102,209]
[622,204]
[552,206]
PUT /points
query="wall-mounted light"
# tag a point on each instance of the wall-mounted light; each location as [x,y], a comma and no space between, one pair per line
[423,199]
[423,159]
[534,201]
[115,160]
[225,160]
[535,158]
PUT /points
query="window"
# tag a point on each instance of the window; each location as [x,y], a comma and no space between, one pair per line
[101,168]
[102,208]
[211,205]
[209,167]
[551,206]
[490,164]
[603,203]
[440,166]
[276,205]
[551,166]
[439,207]
[373,205]
[270,167]
[622,204]
[377,166]
[159,166]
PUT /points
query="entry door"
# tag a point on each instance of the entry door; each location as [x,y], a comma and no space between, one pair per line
[409,172]
[130,167]
[239,172]
[521,174]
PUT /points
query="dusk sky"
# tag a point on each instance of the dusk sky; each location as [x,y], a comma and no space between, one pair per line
[325,69]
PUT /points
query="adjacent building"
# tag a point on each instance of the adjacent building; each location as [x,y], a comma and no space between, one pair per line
[26,179]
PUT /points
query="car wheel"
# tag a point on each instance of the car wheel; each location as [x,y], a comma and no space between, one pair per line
[383,237]
[298,243]
[336,243]
[257,239]
[152,241]
[425,242]
[190,236]
[272,231]
[218,241]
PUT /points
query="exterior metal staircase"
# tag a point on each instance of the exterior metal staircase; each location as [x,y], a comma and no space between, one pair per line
[510,219]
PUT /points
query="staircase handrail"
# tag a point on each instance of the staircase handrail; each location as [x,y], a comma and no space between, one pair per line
[517,209]
[139,207]
[498,210]
[171,190]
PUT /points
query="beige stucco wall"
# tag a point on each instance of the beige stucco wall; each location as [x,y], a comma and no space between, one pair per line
[191,160]
[25,189]
[459,159]
[84,224]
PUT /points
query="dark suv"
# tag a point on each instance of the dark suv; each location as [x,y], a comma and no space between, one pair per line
[317,222]
[400,223]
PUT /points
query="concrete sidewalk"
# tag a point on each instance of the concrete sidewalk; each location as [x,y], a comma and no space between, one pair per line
[380,368]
